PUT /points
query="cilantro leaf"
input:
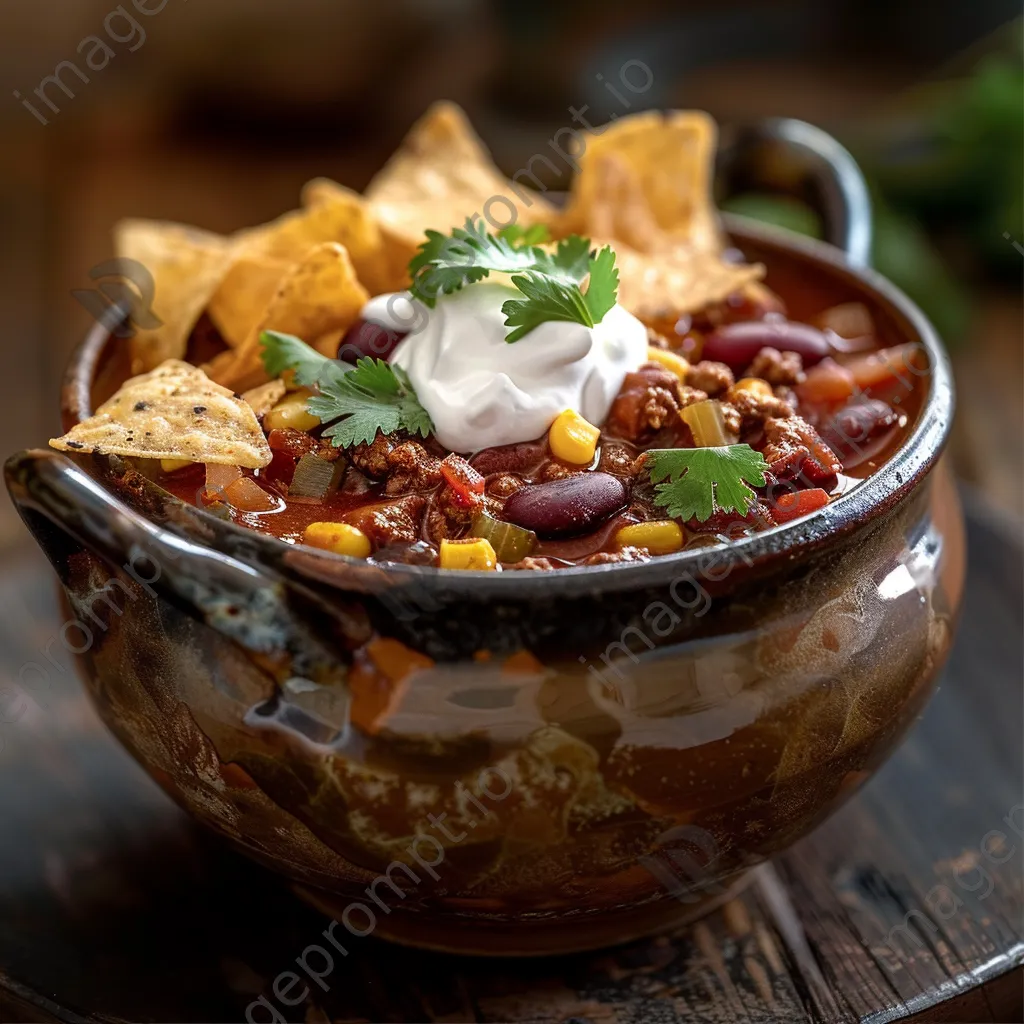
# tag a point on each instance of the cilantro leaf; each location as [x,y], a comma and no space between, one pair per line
[550,281]
[545,300]
[283,352]
[572,258]
[604,284]
[535,234]
[355,402]
[446,263]
[693,482]
[551,298]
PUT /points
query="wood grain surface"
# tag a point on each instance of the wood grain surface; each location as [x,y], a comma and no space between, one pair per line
[907,904]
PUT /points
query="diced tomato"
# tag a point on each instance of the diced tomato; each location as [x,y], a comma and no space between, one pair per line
[463,479]
[295,443]
[798,503]
[889,366]
[280,470]
[826,383]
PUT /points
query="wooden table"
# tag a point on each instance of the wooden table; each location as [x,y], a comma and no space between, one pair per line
[113,907]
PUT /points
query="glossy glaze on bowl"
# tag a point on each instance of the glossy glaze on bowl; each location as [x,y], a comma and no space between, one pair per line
[517,763]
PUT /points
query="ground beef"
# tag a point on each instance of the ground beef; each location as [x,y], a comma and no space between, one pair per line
[732,419]
[794,450]
[647,399]
[390,522]
[777,367]
[656,339]
[628,554]
[451,513]
[411,468]
[372,459]
[618,460]
[558,471]
[503,484]
[787,395]
[709,376]
[689,395]
[754,409]
[732,524]
[534,564]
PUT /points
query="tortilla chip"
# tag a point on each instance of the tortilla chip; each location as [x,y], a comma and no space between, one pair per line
[172,412]
[664,285]
[263,398]
[187,265]
[331,213]
[666,162]
[440,175]
[346,217]
[320,295]
[242,297]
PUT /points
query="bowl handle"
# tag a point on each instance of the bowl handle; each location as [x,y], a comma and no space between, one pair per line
[789,157]
[68,513]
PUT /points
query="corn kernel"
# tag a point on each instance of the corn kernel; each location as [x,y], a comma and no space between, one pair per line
[475,553]
[173,465]
[660,536]
[291,412]
[340,538]
[573,439]
[754,385]
[672,361]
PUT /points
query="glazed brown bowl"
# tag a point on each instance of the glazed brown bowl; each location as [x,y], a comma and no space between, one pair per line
[518,763]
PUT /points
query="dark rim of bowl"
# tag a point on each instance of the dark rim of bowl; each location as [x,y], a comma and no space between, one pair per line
[863,505]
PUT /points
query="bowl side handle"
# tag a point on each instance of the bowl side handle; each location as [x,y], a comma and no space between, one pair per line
[68,513]
[784,156]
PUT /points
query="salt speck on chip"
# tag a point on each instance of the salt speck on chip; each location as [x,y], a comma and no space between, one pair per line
[172,412]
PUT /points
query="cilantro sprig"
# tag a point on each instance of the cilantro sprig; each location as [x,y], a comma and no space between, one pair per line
[550,282]
[355,402]
[693,482]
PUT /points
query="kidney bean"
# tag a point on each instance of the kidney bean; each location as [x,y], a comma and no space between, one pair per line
[737,344]
[847,431]
[368,339]
[568,507]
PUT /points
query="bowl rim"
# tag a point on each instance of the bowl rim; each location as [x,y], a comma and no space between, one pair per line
[872,499]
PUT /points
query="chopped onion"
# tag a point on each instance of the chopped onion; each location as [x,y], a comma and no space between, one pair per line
[247,496]
[218,479]
[850,320]
[511,543]
[707,424]
[316,477]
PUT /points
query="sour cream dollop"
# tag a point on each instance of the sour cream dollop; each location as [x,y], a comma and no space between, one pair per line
[482,391]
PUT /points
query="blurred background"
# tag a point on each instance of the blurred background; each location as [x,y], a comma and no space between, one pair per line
[214,112]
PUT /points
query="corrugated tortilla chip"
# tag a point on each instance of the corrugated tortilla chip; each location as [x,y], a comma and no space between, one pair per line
[666,163]
[187,265]
[662,286]
[320,295]
[172,412]
[440,175]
